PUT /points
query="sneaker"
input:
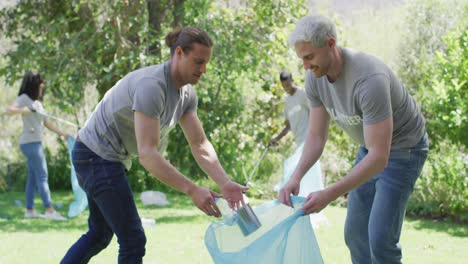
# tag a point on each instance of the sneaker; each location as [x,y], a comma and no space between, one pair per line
[54,216]
[34,214]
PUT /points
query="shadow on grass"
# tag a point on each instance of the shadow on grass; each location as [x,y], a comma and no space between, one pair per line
[181,210]
[12,214]
[41,225]
[453,229]
[175,219]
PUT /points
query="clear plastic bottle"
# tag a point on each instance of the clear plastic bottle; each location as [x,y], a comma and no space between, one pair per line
[226,212]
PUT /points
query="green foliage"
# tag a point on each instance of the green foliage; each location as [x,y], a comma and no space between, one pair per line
[425,22]
[59,167]
[35,27]
[14,174]
[338,156]
[178,235]
[442,189]
[434,67]
[77,43]
[434,63]
[141,180]
[238,99]
[446,88]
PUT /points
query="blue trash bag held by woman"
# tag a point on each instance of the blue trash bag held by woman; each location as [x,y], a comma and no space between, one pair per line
[81,202]
[285,236]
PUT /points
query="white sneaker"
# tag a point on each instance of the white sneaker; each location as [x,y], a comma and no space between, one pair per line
[54,216]
[34,214]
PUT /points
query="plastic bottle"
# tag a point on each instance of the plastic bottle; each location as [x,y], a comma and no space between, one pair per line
[226,212]
[148,222]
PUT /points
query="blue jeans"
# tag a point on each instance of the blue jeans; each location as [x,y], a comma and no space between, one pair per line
[376,209]
[112,209]
[37,174]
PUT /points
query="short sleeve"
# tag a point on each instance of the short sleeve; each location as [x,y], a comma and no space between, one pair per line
[374,99]
[149,97]
[311,90]
[192,102]
[304,101]
[23,100]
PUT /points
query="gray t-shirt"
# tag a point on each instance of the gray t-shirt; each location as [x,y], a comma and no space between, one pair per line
[110,130]
[366,92]
[296,111]
[33,123]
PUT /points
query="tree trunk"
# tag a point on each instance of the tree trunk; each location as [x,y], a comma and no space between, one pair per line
[156,14]
[178,13]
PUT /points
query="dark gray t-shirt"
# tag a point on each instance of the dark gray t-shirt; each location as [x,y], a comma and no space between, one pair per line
[110,130]
[33,123]
[296,110]
[366,92]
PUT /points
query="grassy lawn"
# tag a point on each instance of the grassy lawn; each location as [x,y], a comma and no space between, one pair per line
[178,236]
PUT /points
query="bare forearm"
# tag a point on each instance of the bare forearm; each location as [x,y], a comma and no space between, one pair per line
[53,128]
[165,172]
[14,110]
[283,133]
[378,138]
[206,157]
[363,171]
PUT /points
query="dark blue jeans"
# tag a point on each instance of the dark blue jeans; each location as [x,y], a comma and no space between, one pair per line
[377,208]
[112,209]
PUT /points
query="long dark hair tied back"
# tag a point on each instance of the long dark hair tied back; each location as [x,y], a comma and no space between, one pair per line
[185,37]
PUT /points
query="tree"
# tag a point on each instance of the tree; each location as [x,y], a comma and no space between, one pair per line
[434,63]
[76,43]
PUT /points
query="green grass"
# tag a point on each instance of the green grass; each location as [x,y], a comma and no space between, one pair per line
[178,236]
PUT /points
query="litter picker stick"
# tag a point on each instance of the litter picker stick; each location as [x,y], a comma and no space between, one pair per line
[60,120]
[53,117]
[256,165]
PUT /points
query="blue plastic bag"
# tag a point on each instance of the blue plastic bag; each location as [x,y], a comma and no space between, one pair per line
[81,202]
[311,181]
[285,236]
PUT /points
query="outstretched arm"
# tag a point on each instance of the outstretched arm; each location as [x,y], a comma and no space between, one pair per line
[317,135]
[287,127]
[53,128]
[14,109]
[206,157]
[147,132]
[378,138]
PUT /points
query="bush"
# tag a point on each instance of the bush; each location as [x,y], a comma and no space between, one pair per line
[141,180]
[339,155]
[442,189]
[434,67]
[445,90]
[59,167]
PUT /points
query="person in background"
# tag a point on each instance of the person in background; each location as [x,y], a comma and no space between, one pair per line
[296,113]
[28,105]
[372,106]
[133,119]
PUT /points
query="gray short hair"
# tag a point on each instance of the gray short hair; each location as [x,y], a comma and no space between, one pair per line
[315,29]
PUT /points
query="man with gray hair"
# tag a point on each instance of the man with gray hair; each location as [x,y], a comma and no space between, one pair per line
[373,107]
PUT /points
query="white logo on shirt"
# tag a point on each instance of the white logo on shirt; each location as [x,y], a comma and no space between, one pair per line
[294,110]
[342,118]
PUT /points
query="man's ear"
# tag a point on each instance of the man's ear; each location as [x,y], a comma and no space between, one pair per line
[178,51]
[331,42]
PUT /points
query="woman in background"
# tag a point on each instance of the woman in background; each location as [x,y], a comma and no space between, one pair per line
[32,112]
